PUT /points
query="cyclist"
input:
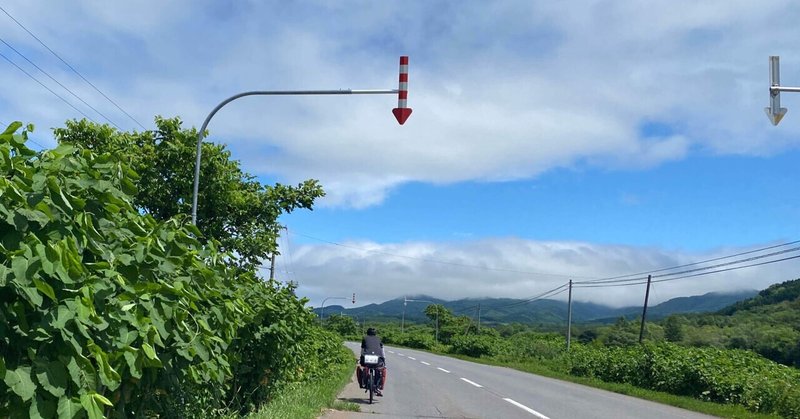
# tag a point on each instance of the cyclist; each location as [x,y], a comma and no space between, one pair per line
[371,345]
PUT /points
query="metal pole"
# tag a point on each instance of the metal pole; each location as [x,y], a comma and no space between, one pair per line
[202,132]
[479,317]
[403,322]
[569,316]
[644,311]
[272,268]
[322,309]
[437,324]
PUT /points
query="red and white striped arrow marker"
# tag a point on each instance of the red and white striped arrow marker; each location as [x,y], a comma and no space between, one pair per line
[402,111]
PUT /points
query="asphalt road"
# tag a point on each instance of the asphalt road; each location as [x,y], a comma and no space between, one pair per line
[423,385]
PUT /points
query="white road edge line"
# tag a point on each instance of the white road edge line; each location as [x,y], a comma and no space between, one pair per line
[424,362]
[443,370]
[413,359]
[472,382]
[526,408]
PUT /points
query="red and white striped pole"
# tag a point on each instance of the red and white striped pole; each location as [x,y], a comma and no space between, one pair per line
[402,111]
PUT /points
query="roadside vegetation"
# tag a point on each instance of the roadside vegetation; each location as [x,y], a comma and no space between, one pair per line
[727,358]
[112,304]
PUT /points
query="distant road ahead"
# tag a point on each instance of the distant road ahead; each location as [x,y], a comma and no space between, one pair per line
[423,385]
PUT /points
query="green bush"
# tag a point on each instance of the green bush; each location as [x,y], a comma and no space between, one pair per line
[725,376]
[108,312]
[474,345]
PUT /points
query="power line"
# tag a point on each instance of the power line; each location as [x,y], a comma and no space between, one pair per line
[735,262]
[550,293]
[72,68]
[48,89]
[441,262]
[690,276]
[59,83]
[608,279]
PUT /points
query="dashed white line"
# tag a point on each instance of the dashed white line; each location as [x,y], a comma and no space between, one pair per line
[443,370]
[423,362]
[413,359]
[391,352]
[526,408]
[471,382]
[400,354]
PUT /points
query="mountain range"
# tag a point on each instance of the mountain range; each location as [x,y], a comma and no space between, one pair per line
[509,310]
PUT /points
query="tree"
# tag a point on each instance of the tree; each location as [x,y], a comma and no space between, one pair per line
[673,329]
[343,325]
[234,208]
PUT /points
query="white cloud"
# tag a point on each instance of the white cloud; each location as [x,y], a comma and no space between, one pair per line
[514,268]
[499,90]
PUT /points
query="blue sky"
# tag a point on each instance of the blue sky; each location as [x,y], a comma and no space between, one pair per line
[589,140]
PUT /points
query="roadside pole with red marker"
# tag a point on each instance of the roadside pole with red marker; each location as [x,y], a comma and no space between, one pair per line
[402,111]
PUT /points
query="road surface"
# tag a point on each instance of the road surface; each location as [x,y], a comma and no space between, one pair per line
[423,385]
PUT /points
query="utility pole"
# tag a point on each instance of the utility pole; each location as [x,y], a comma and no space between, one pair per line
[272,267]
[479,317]
[569,316]
[403,322]
[644,311]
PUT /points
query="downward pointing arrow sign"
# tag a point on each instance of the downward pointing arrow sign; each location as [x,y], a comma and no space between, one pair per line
[774,117]
[401,114]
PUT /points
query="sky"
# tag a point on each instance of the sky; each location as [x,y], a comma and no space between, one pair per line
[548,141]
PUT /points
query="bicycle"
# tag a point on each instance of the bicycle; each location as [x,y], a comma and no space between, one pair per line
[372,375]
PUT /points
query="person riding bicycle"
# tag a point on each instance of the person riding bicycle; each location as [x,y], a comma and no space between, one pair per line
[371,345]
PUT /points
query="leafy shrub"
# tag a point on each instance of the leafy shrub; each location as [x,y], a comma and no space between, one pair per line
[725,376]
[108,312]
[474,345]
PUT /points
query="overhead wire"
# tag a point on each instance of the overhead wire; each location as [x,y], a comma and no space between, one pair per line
[719,265]
[689,276]
[72,68]
[45,86]
[694,263]
[59,83]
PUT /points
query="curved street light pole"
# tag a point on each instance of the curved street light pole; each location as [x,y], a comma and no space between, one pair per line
[424,301]
[322,309]
[201,134]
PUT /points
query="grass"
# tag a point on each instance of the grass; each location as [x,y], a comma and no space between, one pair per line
[306,400]
[684,402]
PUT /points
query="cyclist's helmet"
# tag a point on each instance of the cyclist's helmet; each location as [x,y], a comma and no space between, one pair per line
[371,331]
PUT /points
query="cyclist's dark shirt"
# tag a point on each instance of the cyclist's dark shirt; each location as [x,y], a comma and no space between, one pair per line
[372,345]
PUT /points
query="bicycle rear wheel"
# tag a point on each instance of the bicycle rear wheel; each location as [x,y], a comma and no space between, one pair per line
[371,384]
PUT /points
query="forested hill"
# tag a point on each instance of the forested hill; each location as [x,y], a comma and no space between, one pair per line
[788,291]
[544,312]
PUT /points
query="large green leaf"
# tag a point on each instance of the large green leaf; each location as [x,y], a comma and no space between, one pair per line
[90,403]
[42,408]
[45,288]
[20,382]
[53,377]
[68,408]
[82,372]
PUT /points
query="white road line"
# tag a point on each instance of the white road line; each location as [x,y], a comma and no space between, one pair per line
[400,354]
[526,408]
[443,370]
[424,362]
[472,382]
[413,359]
[391,352]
